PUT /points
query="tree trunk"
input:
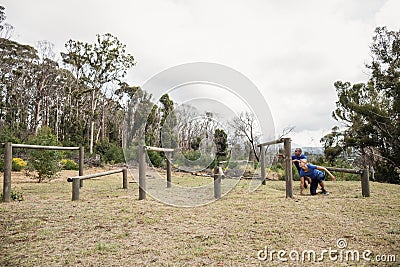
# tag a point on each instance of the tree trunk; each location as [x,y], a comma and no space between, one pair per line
[91,137]
[37,117]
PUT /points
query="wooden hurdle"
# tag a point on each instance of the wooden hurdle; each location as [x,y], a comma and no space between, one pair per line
[287,144]
[8,150]
[76,181]
[288,168]
[142,168]
[364,173]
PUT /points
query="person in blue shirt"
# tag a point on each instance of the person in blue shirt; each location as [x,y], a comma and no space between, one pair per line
[316,175]
[298,155]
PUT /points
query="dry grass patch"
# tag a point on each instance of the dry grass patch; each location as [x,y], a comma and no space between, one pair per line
[109,226]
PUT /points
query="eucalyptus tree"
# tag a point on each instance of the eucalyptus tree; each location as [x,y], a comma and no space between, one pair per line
[96,67]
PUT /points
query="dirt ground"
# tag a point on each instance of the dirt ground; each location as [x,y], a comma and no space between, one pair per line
[109,226]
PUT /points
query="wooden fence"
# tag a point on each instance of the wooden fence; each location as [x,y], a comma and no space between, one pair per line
[287,144]
[8,150]
[364,173]
[288,168]
[76,181]
[142,168]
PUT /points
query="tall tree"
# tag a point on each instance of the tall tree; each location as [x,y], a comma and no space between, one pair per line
[168,122]
[97,66]
[371,111]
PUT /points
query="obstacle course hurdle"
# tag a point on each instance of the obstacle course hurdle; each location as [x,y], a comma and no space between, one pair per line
[287,144]
[76,181]
[142,168]
[365,191]
[8,148]
[364,173]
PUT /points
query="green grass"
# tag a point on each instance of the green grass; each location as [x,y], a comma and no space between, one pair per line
[110,226]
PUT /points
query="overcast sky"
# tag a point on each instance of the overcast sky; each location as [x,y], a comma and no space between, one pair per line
[293,51]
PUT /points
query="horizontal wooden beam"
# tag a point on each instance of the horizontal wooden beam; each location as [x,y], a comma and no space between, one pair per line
[160,149]
[333,169]
[94,175]
[278,141]
[44,147]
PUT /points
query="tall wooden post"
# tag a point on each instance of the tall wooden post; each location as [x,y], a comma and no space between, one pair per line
[365,183]
[262,161]
[288,167]
[125,178]
[81,162]
[75,188]
[142,172]
[168,169]
[217,183]
[7,172]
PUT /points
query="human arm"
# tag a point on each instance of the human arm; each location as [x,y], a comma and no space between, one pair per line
[321,168]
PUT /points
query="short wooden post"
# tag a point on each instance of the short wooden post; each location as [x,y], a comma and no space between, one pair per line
[7,172]
[125,178]
[262,161]
[288,167]
[168,169]
[81,162]
[75,188]
[365,183]
[142,172]
[217,183]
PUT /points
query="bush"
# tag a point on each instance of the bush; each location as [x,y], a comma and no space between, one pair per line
[69,164]
[45,162]
[156,159]
[110,152]
[114,154]
[18,164]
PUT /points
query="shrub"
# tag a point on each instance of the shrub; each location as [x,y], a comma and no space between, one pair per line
[114,154]
[18,164]
[155,158]
[69,164]
[110,152]
[45,162]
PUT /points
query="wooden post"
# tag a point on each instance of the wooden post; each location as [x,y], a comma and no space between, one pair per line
[365,183]
[217,183]
[142,172]
[81,162]
[288,167]
[7,172]
[168,156]
[125,178]
[262,161]
[75,188]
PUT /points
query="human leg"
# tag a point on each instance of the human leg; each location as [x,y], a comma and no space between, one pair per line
[313,187]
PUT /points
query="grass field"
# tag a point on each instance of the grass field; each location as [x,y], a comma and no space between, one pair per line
[109,226]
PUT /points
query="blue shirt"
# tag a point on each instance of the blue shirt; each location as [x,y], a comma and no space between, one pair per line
[312,172]
[302,156]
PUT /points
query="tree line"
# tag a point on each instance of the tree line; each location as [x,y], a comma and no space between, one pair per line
[81,96]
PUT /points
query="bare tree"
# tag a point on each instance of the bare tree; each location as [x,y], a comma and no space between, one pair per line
[246,126]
